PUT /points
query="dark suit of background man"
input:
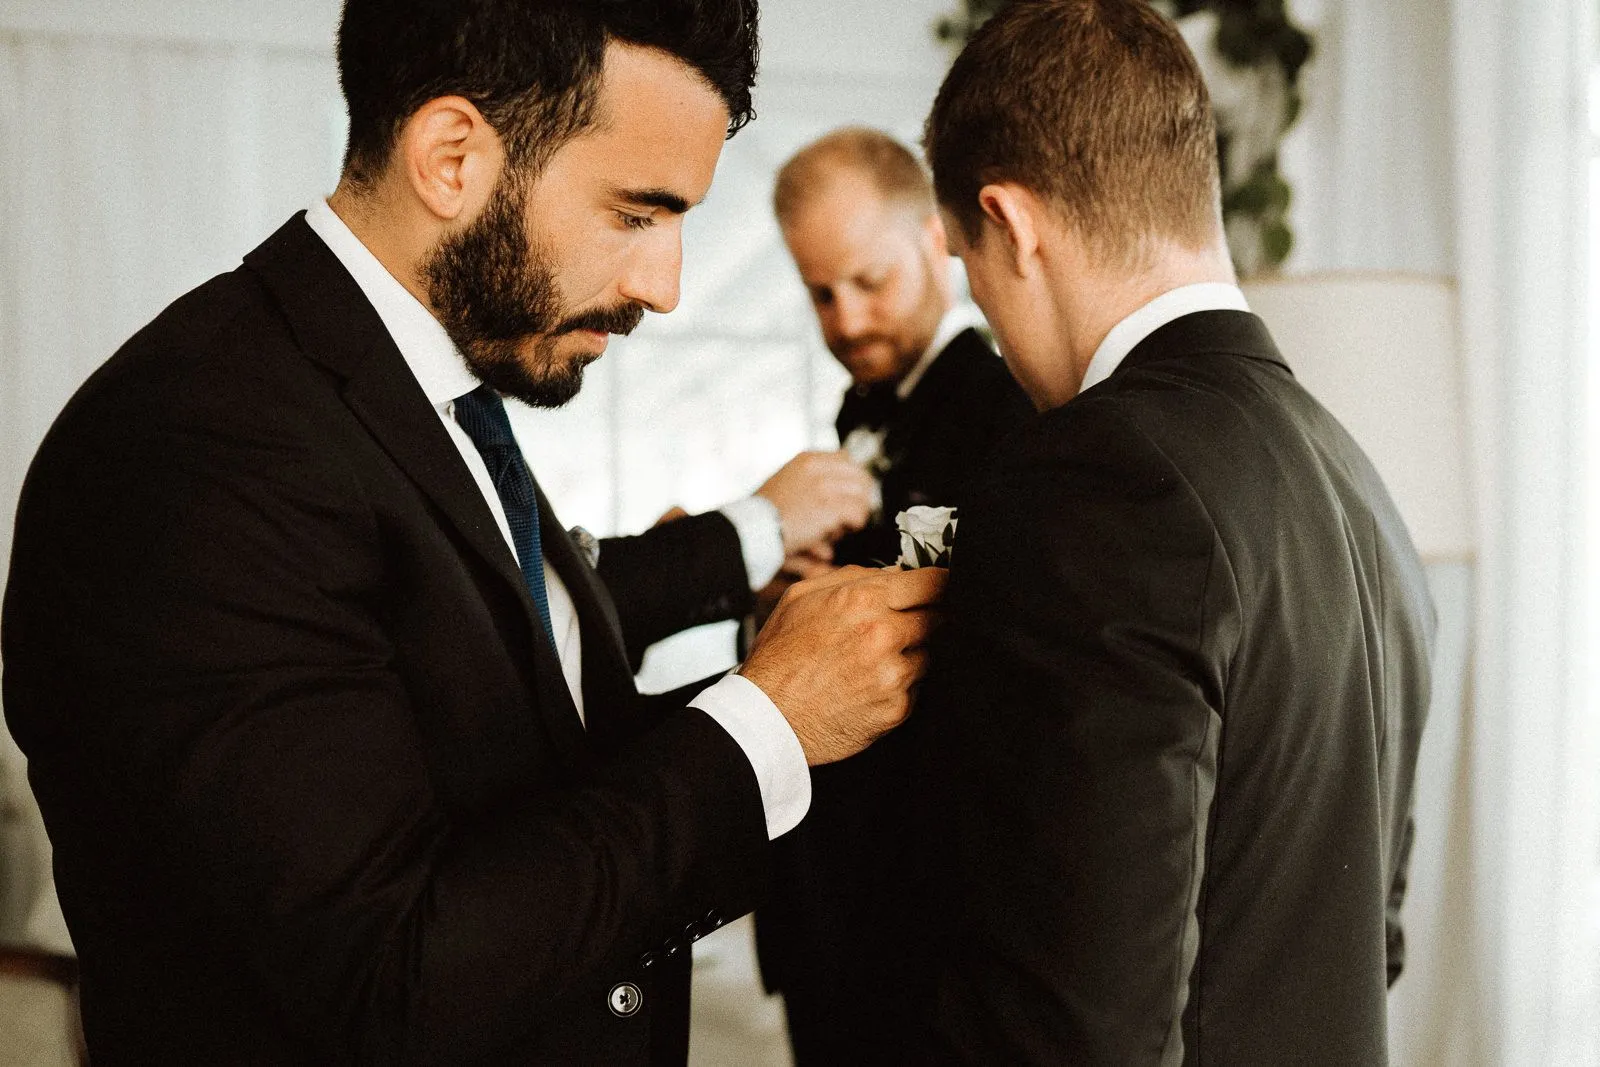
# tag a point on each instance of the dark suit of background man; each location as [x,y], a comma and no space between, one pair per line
[330,721]
[929,400]
[1172,723]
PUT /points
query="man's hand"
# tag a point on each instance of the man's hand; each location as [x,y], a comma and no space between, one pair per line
[820,497]
[797,567]
[840,653]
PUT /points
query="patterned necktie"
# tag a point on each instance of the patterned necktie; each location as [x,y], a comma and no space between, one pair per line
[483,415]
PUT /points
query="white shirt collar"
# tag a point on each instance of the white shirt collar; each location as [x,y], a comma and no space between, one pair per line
[422,341]
[1168,307]
[955,320]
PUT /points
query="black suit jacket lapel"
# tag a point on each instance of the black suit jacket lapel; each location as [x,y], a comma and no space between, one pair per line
[337,327]
[607,679]
[939,385]
[935,409]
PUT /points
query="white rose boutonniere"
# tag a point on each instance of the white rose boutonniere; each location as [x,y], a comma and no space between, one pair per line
[865,449]
[927,537]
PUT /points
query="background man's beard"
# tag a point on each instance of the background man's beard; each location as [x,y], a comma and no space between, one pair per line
[492,290]
[909,343]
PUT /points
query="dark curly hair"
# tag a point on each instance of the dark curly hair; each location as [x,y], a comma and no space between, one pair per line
[531,66]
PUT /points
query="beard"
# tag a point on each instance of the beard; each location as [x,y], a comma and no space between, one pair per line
[906,341]
[494,290]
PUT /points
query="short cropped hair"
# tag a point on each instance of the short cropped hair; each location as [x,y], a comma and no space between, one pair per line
[1098,107]
[532,67]
[891,166]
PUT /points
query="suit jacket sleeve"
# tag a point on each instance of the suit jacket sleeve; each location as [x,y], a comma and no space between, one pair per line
[1072,737]
[675,576]
[205,603]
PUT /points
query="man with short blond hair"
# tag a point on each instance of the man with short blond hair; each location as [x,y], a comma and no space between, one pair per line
[928,396]
[891,167]
[1170,733]
[929,401]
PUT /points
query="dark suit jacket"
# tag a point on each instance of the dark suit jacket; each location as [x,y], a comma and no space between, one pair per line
[317,792]
[1172,725]
[832,932]
[675,576]
[691,572]
[938,438]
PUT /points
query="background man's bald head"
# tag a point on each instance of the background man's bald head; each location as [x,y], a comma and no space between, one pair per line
[853,152]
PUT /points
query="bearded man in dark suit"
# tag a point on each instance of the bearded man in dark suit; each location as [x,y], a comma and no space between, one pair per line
[330,721]
[929,400]
[1170,732]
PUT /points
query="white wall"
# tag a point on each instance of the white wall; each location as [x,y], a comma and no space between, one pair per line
[301,25]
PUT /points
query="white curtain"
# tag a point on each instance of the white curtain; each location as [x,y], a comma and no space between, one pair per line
[1452,136]
[131,169]
[1370,157]
[1521,76]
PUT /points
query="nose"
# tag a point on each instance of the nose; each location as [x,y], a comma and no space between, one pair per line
[848,313]
[654,272]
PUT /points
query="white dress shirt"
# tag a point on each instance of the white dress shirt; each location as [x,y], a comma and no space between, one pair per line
[735,703]
[1168,307]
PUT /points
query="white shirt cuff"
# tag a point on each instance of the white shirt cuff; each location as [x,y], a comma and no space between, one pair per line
[755,723]
[755,519]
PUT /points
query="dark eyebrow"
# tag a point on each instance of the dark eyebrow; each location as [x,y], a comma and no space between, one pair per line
[661,198]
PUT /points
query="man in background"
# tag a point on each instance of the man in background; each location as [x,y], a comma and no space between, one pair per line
[1171,730]
[929,400]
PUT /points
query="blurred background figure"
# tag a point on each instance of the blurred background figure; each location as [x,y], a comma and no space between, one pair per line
[929,398]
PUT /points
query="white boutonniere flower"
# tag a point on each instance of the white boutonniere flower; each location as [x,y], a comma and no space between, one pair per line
[865,448]
[588,544]
[927,537]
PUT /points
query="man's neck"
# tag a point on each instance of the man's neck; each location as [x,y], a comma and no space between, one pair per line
[374,222]
[1092,304]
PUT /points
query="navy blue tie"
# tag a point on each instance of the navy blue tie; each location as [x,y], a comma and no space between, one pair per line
[483,415]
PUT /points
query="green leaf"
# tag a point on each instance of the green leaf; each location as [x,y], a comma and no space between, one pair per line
[1277,241]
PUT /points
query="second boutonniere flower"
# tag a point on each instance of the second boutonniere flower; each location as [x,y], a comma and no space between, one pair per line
[864,446]
[927,537]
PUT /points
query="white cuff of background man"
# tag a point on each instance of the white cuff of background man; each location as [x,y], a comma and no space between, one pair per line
[755,519]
